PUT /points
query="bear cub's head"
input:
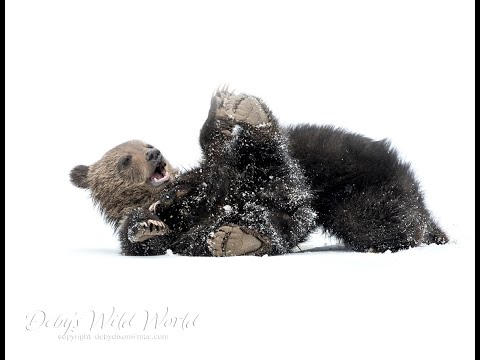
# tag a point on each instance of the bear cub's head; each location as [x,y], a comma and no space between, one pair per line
[130,175]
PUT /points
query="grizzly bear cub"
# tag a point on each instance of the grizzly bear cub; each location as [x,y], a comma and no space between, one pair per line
[260,189]
[247,196]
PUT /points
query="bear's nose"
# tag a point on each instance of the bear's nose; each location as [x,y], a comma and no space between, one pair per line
[154,155]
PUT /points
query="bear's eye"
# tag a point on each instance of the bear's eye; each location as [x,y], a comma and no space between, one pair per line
[125,161]
[149,146]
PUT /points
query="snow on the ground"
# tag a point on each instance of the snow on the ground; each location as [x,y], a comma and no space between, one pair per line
[81,78]
[412,304]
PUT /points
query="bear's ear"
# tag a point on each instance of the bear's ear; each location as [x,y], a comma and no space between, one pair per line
[78,176]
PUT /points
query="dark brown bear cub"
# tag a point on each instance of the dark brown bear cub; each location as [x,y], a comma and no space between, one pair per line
[261,189]
[247,196]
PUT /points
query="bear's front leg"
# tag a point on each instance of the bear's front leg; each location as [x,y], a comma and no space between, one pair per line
[147,229]
[140,225]
[141,233]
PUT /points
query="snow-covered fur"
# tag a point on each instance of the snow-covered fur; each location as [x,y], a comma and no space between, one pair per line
[362,192]
[247,178]
[277,184]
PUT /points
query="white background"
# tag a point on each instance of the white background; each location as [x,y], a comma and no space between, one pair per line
[83,76]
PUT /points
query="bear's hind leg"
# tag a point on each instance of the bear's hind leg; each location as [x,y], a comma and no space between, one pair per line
[242,108]
[233,240]
[380,219]
[228,110]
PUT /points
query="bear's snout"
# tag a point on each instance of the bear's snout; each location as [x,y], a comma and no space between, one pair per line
[153,155]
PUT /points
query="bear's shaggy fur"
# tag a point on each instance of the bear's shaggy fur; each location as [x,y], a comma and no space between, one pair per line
[122,179]
[249,194]
[362,192]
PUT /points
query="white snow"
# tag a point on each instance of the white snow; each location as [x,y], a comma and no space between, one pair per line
[83,77]
[236,130]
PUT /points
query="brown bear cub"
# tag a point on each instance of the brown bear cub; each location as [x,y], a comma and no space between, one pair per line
[260,189]
[247,196]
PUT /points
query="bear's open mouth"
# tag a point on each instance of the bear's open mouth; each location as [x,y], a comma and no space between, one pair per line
[159,175]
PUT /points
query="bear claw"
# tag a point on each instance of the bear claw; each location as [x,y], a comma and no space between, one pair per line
[153,207]
[148,229]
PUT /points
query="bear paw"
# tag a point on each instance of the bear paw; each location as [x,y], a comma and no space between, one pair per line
[147,229]
[236,109]
[232,240]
